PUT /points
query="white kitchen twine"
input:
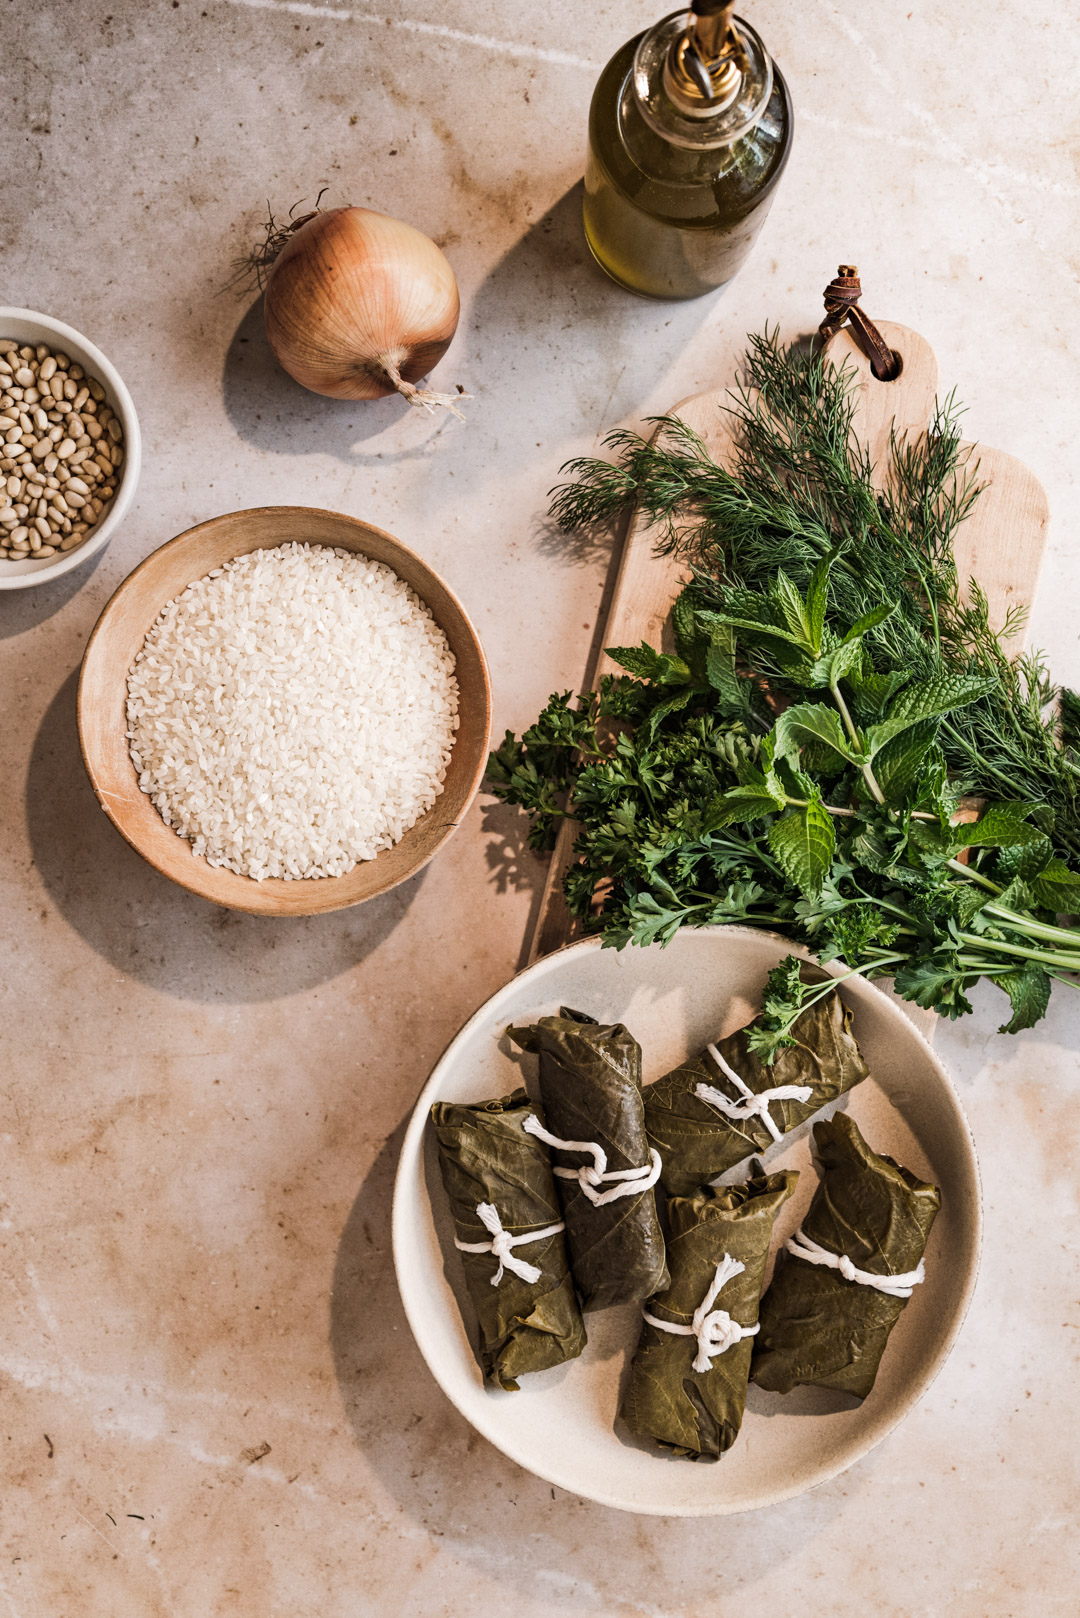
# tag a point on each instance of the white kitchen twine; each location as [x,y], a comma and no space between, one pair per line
[502,1244]
[897,1286]
[714,1329]
[750,1105]
[589,1176]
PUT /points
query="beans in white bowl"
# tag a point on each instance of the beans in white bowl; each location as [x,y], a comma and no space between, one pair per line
[61,452]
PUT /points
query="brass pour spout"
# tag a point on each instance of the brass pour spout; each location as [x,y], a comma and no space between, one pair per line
[706,61]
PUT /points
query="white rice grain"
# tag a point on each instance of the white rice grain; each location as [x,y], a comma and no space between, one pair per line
[293,712]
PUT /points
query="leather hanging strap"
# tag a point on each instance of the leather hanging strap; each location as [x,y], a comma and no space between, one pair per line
[842,306]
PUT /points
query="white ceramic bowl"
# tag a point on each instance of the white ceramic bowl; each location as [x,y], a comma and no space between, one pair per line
[561,1425]
[27,326]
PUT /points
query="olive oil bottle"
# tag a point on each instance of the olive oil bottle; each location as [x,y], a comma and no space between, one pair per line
[689,131]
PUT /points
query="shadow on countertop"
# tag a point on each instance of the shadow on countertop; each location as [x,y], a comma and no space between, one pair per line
[272,412]
[23,610]
[538,1540]
[545,284]
[157,932]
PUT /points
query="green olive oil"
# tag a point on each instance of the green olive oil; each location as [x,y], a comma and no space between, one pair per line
[689,131]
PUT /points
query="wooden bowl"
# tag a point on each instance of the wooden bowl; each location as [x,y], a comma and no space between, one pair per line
[119,635]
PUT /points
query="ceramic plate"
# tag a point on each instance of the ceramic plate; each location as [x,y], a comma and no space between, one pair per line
[562,1424]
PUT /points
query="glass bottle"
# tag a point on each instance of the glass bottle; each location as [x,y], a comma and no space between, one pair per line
[689,131]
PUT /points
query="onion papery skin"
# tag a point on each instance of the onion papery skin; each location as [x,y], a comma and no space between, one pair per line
[353,290]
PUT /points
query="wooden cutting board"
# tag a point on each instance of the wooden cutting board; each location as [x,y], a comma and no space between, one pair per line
[1001,544]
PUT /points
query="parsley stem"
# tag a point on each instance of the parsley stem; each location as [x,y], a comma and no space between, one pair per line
[974,876]
[1047,957]
[1035,929]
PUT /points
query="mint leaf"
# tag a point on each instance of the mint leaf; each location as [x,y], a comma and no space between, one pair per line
[870,620]
[673,704]
[871,693]
[817,599]
[803,842]
[720,664]
[898,763]
[811,722]
[1029,994]
[927,699]
[684,622]
[1058,888]
[837,665]
[648,664]
[741,803]
[795,613]
[1002,825]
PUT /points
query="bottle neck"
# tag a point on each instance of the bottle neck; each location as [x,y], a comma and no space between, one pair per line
[694,99]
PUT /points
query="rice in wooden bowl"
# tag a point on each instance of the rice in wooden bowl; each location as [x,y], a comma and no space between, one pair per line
[289,732]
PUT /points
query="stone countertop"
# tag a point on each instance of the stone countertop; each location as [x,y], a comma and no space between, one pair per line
[213,1405]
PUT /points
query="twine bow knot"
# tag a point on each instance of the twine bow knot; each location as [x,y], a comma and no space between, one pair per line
[714,1329]
[502,1245]
[749,1105]
[591,1176]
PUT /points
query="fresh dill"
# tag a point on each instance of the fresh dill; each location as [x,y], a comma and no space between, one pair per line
[798,763]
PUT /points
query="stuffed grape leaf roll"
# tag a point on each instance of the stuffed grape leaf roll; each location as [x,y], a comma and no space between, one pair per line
[840,1285]
[499,1179]
[590,1086]
[689,1375]
[699,1137]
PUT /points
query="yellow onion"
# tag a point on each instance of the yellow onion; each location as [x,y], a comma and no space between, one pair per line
[360,305]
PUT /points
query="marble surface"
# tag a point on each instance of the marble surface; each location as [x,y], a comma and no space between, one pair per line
[212,1403]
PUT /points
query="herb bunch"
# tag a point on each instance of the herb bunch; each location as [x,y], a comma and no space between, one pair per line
[798,762]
